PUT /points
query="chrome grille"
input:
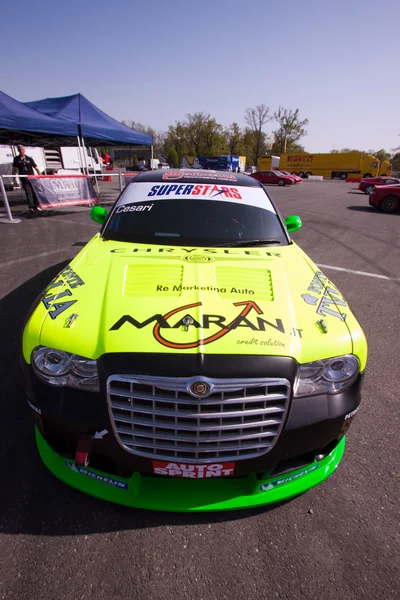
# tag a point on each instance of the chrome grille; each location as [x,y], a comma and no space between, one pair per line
[161,418]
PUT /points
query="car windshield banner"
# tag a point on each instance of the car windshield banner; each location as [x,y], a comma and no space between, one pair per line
[56,191]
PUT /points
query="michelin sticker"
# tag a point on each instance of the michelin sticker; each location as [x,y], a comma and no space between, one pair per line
[121,485]
[266,487]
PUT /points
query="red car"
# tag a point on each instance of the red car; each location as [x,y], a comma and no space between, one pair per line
[386,198]
[368,184]
[296,178]
[273,177]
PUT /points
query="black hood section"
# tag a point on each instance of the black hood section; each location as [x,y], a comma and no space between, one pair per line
[189,365]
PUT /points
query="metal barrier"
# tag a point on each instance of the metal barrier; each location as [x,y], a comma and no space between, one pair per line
[10,219]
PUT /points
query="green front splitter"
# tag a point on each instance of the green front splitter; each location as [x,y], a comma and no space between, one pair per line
[181,495]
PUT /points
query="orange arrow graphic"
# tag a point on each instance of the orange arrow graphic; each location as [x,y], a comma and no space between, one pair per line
[248,306]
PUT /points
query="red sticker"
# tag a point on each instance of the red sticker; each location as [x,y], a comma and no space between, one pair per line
[173,469]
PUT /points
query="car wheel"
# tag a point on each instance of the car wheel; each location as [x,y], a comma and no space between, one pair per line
[389,204]
[343,176]
[281,182]
[369,189]
[366,175]
[301,174]
[294,173]
[308,174]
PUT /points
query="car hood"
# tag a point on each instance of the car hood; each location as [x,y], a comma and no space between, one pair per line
[120,297]
[390,186]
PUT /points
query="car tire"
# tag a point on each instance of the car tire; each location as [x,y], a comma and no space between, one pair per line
[389,204]
[293,173]
[369,189]
[281,182]
[343,176]
[366,175]
[301,174]
[308,174]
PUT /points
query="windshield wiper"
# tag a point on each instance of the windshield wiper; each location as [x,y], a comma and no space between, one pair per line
[250,243]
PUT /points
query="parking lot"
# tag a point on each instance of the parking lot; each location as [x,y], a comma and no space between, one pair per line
[339,540]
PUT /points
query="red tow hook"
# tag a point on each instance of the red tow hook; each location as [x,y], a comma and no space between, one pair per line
[82,454]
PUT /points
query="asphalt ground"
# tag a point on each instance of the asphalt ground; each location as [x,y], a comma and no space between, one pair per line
[339,540]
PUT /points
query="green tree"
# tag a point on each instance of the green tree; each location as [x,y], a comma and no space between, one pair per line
[381,155]
[158,136]
[291,129]
[256,119]
[396,162]
[235,140]
[292,147]
[172,157]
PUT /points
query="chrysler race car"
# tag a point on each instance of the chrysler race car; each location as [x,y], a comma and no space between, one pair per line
[191,357]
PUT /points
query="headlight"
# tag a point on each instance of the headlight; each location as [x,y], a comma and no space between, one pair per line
[331,376]
[63,369]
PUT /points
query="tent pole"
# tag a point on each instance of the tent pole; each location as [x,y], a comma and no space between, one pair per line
[85,155]
[44,160]
[80,154]
[94,171]
[6,205]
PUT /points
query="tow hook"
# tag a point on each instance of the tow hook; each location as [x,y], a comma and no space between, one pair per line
[82,454]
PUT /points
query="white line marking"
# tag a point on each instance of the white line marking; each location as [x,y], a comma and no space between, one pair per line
[16,261]
[359,272]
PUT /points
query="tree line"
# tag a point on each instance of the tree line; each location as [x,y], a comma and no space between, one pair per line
[199,134]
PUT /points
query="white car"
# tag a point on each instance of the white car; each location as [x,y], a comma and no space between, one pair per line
[250,170]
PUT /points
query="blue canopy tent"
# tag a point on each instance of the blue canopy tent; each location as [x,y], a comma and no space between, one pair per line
[20,124]
[94,125]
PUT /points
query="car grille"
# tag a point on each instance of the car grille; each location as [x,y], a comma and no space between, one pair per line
[160,418]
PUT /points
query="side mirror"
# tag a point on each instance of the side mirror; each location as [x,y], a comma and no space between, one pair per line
[292,223]
[99,214]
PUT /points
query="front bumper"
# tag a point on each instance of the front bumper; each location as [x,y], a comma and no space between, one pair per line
[373,201]
[315,427]
[188,495]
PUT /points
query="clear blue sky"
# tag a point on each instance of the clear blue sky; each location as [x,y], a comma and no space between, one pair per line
[155,61]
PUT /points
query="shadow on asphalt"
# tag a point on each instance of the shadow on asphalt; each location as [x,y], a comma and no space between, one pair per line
[32,500]
[45,214]
[358,193]
[370,209]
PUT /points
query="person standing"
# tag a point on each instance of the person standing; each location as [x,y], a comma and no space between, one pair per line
[25,165]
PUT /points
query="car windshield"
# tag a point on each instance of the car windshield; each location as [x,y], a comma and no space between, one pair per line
[187,220]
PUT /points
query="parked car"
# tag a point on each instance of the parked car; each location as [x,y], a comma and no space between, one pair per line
[386,198]
[273,177]
[191,338]
[368,184]
[250,170]
[296,178]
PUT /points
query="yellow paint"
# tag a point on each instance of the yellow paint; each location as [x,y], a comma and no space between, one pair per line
[385,168]
[125,285]
[354,164]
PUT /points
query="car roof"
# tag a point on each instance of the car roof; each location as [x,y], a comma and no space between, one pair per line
[196,176]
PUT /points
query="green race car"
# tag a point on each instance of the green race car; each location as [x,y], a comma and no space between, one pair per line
[191,357]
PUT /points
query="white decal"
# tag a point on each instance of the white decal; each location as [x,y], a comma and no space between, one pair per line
[100,434]
[140,192]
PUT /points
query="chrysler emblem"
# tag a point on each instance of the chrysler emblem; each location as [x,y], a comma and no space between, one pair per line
[200,388]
